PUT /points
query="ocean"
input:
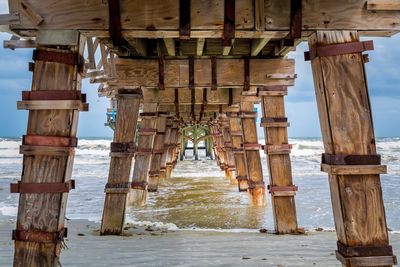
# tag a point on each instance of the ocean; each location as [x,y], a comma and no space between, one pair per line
[198,196]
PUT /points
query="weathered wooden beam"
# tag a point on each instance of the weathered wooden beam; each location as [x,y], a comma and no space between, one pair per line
[383,5]
[347,129]
[230,167]
[122,152]
[139,45]
[256,187]
[257,45]
[227,49]
[158,150]
[200,46]
[279,165]
[147,132]
[13,44]
[57,37]
[8,19]
[170,45]
[229,72]
[259,15]
[207,20]
[236,135]
[91,64]
[47,166]
[29,11]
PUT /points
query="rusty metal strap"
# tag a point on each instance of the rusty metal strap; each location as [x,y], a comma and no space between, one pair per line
[246,84]
[39,188]
[142,185]
[117,185]
[184,19]
[115,28]
[213,73]
[149,114]
[364,251]
[58,57]
[241,178]
[255,184]
[249,146]
[147,131]
[229,22]
[295,18]
[248,114]
[276,188]
[236,133]
[338,49]
[273,119]
[341,159]
[54,141]
[161,84]
[278,149]
[53,95]
[39,236]
[123,147]
[143,151]
[176,101]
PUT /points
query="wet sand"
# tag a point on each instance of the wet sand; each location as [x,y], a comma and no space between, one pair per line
[151,246]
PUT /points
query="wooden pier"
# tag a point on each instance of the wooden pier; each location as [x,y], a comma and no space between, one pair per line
[179,71]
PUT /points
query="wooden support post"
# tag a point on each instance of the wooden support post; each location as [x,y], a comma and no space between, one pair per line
[147,132]
[220,146]
[195,143]
[171,143]
[154,174]
[350,152]
[236,135]
[256,187]
[277,149]
[48,149]
[122,152]
[164,156]
[230,170]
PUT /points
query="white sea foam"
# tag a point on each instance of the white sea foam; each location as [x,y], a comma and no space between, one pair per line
[195,182]
[8,210]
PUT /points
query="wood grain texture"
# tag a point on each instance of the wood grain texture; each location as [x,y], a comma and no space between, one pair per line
[143,160]
[253,159]
[230,72]
[46,212]
[235,127]
[279,167]
[346,123]
[156,157]
[160,19]
[120,167]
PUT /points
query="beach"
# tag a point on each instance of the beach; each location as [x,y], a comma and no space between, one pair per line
[152,246]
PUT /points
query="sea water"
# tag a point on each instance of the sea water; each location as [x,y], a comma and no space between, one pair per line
[198,196]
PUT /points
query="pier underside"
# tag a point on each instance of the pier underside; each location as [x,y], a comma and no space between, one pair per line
[180,71]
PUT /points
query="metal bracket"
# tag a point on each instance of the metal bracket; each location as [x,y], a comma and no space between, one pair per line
[39,188]
[338,49]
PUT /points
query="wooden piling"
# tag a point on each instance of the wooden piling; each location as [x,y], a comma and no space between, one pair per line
[158,150]
[256,186]
[48,154]
[236,135]
[164,156]
[277,149]
[350,152]
[122,153]
[147,132]
[230,169]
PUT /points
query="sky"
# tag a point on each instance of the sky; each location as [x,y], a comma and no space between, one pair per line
[383,72]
